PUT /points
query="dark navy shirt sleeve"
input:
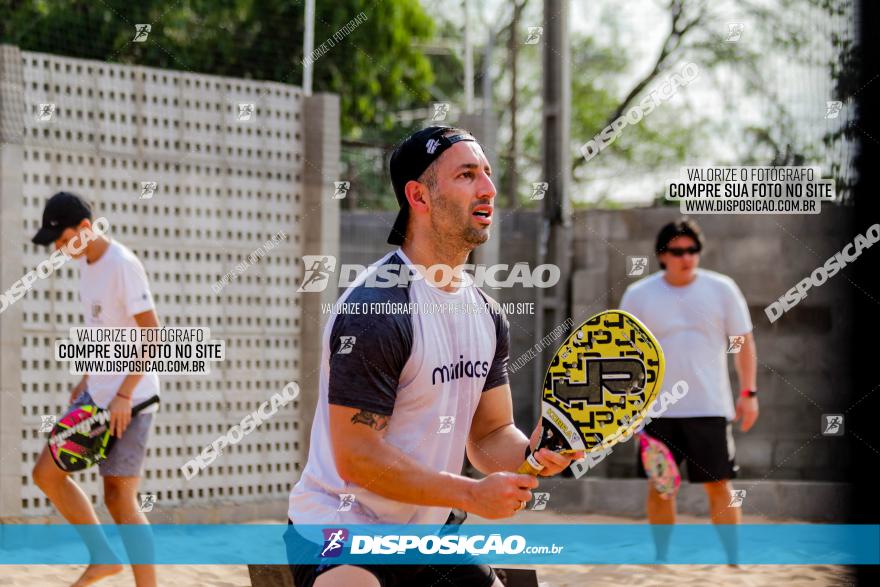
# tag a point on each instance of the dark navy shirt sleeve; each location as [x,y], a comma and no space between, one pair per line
[368,353]
[498,371]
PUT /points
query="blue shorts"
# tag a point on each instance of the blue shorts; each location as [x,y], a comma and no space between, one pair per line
[127,456]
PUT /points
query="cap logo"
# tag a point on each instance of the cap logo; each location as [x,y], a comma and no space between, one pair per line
[53,223]
[431,146]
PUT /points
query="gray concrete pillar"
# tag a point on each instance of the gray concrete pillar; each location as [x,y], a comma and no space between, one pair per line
[320,230]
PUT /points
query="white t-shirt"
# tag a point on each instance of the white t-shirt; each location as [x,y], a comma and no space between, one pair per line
[113,289]
[692,324]
[427,371]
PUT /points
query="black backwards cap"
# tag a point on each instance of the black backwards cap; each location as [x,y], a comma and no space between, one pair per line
[410,160]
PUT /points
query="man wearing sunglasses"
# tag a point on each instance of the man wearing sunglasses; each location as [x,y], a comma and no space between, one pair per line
[698,316]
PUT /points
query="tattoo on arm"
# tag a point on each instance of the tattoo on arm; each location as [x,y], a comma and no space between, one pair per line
[375,421]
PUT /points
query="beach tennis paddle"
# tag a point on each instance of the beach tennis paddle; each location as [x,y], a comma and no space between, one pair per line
[82,437]
[659,465]
[599,386]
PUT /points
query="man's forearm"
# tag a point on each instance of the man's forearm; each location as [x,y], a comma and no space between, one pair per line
[388,471]
[501,450]
[746,364]
[128,384]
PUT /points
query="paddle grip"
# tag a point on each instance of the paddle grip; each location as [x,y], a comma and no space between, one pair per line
[530,466]
[136,409]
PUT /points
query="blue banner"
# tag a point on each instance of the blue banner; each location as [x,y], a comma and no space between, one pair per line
[239,544]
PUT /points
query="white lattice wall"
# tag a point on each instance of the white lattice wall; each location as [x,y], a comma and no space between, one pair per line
[224,188]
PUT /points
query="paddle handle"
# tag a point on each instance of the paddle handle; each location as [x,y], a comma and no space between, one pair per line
[530,466]
[136,409]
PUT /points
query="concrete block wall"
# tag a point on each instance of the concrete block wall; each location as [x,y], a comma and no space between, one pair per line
[225,185]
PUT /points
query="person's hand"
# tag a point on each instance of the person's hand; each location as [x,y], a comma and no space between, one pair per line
[120,415]
[747,411]
[554,462]
[500,495]
[76,391]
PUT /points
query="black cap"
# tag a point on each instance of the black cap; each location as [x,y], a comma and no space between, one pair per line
[410,160]
[63,210]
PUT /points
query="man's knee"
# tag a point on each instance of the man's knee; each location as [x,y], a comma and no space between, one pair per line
[346,575]
[117,497]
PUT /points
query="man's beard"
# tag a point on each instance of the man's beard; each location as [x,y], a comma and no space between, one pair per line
[449,228]
[475,237]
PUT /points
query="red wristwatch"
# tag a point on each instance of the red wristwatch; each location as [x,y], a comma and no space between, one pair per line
[749,393]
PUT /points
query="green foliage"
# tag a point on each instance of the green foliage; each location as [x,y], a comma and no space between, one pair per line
[375,70]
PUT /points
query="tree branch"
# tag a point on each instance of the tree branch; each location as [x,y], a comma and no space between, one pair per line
[671,45]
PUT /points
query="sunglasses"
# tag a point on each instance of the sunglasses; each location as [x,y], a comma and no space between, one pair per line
[682,251]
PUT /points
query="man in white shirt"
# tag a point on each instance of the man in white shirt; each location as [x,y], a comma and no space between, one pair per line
[115,293]
[697,315]
[403,396]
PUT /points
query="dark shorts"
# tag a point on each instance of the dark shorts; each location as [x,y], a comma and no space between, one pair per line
[390,575]
[705,444]
[126,458]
